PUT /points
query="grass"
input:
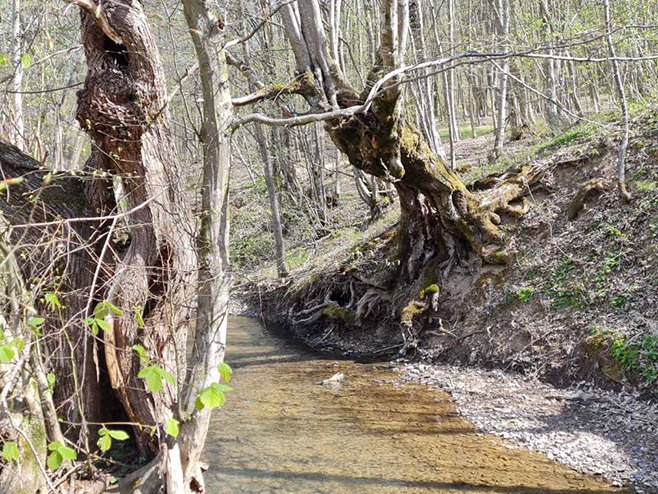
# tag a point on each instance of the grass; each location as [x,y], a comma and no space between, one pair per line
[465,132]
[636,357]
[570,136]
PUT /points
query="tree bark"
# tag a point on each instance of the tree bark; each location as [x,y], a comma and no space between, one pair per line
[214,277]
[53,240]
[123,108]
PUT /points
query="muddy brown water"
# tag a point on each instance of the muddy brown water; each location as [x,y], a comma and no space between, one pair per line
[281,432]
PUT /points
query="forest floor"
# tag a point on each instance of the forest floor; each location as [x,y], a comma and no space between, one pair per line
[567,331]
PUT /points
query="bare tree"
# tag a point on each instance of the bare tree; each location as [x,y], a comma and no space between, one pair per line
[623,103]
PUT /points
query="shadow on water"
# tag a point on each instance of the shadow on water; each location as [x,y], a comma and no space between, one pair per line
[433,486]
[282,432]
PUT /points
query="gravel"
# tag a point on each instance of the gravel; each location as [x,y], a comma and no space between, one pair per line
[612,434]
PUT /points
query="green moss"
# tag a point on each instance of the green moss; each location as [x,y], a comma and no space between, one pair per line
[500,257]
[525,294]
[636,357]
[335,311]
[428,290]
[410,311]
[646,186]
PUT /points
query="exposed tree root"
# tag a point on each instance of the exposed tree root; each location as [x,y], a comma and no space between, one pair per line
[588,190]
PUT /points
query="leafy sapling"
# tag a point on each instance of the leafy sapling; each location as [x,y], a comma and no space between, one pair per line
[106,435]
[59,453]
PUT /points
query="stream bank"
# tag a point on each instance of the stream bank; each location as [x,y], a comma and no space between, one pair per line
[605,433]
[567,328]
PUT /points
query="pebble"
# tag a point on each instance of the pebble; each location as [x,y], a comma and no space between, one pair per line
[592,431]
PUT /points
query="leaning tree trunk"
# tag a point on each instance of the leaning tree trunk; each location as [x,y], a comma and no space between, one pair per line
[440,218]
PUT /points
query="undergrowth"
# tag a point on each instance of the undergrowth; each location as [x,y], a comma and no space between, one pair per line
[636,356]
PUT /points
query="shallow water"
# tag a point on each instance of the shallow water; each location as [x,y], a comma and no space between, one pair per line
[282,432]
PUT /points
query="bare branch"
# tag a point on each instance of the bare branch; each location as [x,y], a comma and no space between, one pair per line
[95,10]
[263,21]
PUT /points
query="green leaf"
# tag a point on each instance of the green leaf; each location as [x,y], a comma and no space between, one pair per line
[10,451]
[211,397]
[103,324]
[171,427]
[6,353]
[224,388]
[54,460]
[154,382]
[141,351]
[154,376]
[118,435]
[167,376]
[198,404]
[59,453]
[104,442]
[92,323]
[138,316]
[103,309]
[3,59]
[26,60]
[67,453]
[52,301]
[144,373]
[113,308]
[18,344]
[51,380]
[153,379]
[225,371]
[35,322]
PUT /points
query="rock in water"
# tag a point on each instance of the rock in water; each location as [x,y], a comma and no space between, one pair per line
[334,380]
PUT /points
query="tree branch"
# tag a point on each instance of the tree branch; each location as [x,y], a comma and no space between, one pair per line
[95,10]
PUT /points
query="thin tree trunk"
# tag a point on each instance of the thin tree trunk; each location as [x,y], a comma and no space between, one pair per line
[212,242]
[18,122]
[502,14]
[549,68]
[621,91]
[277,229]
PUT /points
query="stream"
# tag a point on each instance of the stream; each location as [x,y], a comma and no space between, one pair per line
[283,432]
